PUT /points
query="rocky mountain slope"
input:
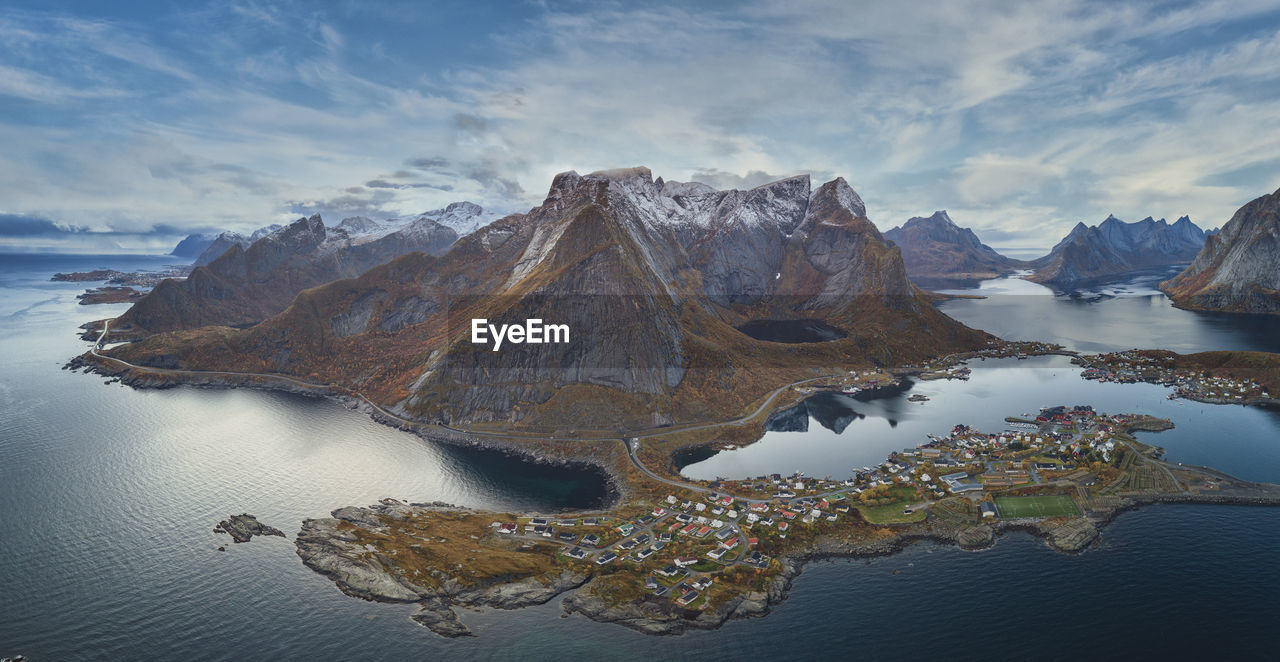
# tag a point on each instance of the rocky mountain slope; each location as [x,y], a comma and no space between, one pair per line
[247,284]
[935,247]
[651,277]
[193,245]
[1094,253]
[1239,268]
[223,241]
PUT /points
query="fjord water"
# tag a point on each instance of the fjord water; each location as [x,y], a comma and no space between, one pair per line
[108,495]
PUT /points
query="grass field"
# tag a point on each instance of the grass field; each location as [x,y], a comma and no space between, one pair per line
[1054,505]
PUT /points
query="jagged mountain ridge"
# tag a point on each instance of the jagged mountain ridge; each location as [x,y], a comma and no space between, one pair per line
[935,247]
[1113,247]
[247,284]
[1238,269]
[652,277]
[223,241]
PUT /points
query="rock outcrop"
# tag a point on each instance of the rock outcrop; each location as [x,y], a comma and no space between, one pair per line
[1239,268]
[244,527]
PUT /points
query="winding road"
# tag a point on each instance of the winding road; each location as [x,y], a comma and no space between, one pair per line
[629,443]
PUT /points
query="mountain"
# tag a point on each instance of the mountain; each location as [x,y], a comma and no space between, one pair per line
[222,242]
[1095,253]
[461,217]
[193,245]
[1239,267]
[246,284]
[651,278]
[935,247]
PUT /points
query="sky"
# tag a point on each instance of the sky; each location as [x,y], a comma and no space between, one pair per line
[124,126]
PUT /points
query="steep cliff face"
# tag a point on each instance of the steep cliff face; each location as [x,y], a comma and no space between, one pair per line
[1239,268]
[1090,254]
[650,277]
[245,285]
[935,247]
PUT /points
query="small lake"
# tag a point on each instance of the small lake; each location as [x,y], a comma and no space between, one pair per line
[792,331]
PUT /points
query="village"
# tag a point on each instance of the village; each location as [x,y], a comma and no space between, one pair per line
[1134,366]
[683,546]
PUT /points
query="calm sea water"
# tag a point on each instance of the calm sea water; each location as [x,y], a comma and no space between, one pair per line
[108,496]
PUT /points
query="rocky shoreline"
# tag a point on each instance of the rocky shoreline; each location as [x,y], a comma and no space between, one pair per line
[331,549]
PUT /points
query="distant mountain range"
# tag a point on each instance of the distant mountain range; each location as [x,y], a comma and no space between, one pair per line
[934,247]
[1094,253]
[653,278]
[1238,269]
[250,281]
[461,217]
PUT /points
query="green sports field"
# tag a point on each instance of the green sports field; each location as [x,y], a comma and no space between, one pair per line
[1055,505]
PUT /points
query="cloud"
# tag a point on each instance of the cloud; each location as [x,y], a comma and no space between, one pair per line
[21,225]
[1022,117]
[727,180]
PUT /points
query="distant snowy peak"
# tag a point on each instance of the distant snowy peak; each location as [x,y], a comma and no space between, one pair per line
[462,217]
[357,225]
[691,208]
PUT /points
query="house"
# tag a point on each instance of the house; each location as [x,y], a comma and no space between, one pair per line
[626,528]
[671,499]
[699,507]
[687,597]
[591,539]
[730,543]
[668,571]
[538,521]
[702,532]
[507,527]
[988,509]
[702,583]
[650,583]
[576,553]
[685,561]
[688,529]
[607,557]
[716,553]
[659,512]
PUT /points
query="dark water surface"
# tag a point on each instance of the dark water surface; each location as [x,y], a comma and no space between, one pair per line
[1122,315]
[108,495]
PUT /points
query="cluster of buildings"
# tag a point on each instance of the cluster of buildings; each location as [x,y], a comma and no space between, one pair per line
[1133,366]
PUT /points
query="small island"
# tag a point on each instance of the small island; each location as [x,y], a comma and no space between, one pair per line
[675,555]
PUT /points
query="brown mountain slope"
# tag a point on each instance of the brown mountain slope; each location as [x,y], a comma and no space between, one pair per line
[651,279]
[247,285]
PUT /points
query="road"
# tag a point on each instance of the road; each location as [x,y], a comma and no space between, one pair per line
[334,387]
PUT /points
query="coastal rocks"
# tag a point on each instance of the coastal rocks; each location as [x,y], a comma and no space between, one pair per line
[243,527]
[1072,536]
[333,551]
[528,591]
[440,619]
[975,537]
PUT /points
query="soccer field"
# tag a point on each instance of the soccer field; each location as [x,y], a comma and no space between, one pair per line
[1056,505]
